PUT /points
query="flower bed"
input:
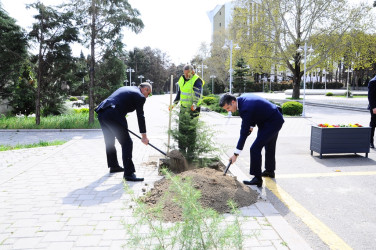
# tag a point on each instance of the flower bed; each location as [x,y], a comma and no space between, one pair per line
[331,140]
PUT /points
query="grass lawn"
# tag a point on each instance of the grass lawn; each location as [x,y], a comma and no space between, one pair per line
[67,121]
[33,145]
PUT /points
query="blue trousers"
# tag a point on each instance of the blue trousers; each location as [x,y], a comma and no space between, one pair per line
[266,138]
[115,126]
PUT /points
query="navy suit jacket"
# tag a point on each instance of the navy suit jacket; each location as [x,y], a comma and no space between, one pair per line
[372,93]
[127,99]
[256,111]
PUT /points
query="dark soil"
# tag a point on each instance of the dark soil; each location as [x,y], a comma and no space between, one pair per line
[216,189]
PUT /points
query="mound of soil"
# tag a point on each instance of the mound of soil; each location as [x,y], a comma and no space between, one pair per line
[216,189]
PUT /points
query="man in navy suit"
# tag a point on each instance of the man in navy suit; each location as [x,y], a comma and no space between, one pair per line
[372,107]
[256,111]
[111,116]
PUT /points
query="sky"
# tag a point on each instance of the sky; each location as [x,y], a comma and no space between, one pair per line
[175,27]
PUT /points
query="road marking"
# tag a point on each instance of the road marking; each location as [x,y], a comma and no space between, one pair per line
[319,228]
[336,174]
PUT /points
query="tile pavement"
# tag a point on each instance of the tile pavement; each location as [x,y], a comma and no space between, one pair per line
[64,198]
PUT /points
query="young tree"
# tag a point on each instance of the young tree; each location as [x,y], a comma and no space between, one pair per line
[275,29]
[53,32]
[240,74]
[101,22]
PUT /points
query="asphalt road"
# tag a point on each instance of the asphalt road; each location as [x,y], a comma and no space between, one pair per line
[338,190]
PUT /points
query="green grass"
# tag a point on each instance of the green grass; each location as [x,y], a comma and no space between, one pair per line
[67,121]
[33,145]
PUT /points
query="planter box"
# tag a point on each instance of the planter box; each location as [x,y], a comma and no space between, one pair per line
[340,140]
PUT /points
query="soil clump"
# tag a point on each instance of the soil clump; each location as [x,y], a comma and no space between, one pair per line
[216,189]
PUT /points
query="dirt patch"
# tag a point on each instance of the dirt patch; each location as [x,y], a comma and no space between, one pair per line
[216,189]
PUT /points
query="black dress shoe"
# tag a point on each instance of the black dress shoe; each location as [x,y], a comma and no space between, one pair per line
[254,181]
[372,145]
[116,170]
[133,177]
[270,174]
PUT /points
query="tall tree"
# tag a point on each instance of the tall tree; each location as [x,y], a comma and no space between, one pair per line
[53,31]
[275,29]
[101,22]
[13,52]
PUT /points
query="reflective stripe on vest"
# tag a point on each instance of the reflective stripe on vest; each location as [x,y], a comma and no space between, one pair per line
[187,94]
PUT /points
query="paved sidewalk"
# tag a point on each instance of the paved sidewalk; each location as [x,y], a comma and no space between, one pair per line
[64,198]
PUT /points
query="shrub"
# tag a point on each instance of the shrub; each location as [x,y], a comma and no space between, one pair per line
[73,98]
[81,111]
[209,100]
[329,94]
[292,108]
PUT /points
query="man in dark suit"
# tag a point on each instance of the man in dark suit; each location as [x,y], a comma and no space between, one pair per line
[372,107]
[255,110]
[111,116]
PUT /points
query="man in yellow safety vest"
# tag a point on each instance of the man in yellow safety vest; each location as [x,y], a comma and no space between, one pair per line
[190,96]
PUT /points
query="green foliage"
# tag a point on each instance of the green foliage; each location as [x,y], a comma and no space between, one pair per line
[22,98]
[33,145]
[329,94]
[194,137]
[209,100]
[110,74]
[292,108]
[73,98]
[13,53]
[240,76]
[52,32]
[201,228]
[81,111]
[67,121]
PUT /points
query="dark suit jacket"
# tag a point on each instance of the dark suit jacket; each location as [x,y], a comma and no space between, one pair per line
[126,99]
[256,111]
[372,93]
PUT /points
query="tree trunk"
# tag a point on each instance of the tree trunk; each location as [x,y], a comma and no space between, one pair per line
[92,65]
[40,64]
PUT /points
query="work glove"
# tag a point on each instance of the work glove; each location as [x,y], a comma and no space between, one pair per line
[193,107]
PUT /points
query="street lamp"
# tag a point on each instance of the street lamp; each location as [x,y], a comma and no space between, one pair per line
[300,50]
[125,82]
[130,70]
[202,67]
[141,76]
[212,77]
[133,83]
[229,43]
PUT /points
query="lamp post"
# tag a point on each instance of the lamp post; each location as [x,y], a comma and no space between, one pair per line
[212,77]
[125,82]
[202,67]
[300,50]
[130,70]
[229,43]
[133,83]
[141,76]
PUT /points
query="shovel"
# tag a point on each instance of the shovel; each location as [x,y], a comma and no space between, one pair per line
[228,166]
[176,161]
[148,143]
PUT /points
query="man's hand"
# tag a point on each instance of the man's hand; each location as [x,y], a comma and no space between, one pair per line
[193,107]
[233,159]
[250,130]
[374,111]
[145,139]
[171,107]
